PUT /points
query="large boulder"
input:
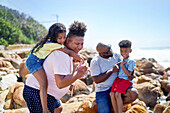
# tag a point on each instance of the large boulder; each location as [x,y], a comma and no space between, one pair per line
[88,105]
[159,108]
[21,110]
[165,85]
[14,99]
[3,96]
[18,98]
[73,103]
[148,93]
[3,55]
[136,109]
[80,87]
[7,81]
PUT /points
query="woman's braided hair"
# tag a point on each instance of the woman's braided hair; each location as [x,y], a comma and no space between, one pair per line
[52,36]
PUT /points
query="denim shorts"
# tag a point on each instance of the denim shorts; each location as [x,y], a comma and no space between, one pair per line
[32,98]
[103,101]
[33,63]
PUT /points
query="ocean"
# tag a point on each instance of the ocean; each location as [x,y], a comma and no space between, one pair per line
[160,54]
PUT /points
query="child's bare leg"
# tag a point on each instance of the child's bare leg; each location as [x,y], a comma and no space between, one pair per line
[119,102]
[42,79]
[114,103]
[58,110]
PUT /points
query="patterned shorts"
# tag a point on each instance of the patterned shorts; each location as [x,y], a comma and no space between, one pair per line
[32,98]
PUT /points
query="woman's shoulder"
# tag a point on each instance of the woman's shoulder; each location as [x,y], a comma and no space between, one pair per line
[56,53]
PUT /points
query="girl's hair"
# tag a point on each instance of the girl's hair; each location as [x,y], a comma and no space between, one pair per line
[77,29]
[52,35]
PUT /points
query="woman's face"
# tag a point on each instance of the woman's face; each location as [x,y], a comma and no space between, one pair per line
[75,43]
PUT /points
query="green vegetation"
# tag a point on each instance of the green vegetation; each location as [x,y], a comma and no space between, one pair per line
[16,28]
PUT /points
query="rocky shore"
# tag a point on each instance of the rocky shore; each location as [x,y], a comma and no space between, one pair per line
[151,80]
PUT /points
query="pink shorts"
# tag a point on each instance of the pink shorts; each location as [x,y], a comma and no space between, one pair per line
[120,85]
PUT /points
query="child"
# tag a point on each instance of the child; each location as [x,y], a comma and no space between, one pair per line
[122,83]
[54,40]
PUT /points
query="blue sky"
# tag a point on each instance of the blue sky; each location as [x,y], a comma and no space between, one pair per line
[145,22]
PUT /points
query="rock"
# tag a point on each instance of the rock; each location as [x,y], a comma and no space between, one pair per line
[77,98]
[66,97]
[22,54]
[159,108]
[167,110]
[7,81]
[72,104]
[136,109]
[88,105]
[144,64]
[138,102]
[18,97]
[15,63]
[21,110]
[165,85]
[8,104]
[70,107]
[87,80]
[80,88]
[12,89]
[15,98]
[23,71]
[6,63]
[148,93]
[7,70]
[143,78]
[154,76]
[126,107]
[167,69]
[147,70]
[168,97]
[3,54]
[3,96]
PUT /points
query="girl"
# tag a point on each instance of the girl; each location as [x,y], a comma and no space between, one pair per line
[54,40]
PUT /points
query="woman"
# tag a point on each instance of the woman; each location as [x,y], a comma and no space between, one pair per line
[58,67]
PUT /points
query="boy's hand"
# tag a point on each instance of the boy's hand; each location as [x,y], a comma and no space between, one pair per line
[122,63]
[131,77]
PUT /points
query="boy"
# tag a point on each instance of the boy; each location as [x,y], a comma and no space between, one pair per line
[122,83]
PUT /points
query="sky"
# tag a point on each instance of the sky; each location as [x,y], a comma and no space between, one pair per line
[144,22]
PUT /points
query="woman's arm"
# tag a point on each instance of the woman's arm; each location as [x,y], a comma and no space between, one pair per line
[66,80]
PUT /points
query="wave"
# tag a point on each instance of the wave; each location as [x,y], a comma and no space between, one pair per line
[161,55]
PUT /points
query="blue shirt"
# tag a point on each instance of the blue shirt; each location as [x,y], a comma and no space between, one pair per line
[130,65]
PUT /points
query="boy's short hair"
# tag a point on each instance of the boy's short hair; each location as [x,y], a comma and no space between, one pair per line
[125,44]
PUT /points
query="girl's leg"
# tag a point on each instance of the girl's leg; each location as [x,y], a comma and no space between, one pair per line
[119,102]
[114,103]
[42,79]
[58,110]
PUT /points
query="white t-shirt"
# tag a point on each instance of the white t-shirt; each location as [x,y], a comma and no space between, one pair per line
[100,65]
[57,62]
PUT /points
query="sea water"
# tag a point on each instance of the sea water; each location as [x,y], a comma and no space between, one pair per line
[161,55]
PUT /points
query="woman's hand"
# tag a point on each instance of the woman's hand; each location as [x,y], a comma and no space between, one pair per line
[82,69]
